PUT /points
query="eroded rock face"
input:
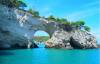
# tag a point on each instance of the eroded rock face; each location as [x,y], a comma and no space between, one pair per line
[82,39]
[12,40]
[17,28]
[60,39]
[76,39]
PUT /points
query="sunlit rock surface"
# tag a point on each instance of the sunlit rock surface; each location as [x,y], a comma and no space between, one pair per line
[17,28]
[76,39]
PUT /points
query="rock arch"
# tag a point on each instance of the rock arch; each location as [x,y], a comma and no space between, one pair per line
[17,28]
[22,25]
[30,25]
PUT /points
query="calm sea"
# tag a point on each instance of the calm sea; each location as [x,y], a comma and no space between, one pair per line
[50,56]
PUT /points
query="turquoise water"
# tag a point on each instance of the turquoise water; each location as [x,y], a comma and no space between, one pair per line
[50,56]
[41,45]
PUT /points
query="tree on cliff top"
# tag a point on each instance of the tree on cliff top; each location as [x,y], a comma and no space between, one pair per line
[59,20]
[21,4]
[13,3]
[34,13]
[77,25]
[87,28]
[52,18]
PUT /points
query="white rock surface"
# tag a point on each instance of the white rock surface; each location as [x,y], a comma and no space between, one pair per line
[74,39]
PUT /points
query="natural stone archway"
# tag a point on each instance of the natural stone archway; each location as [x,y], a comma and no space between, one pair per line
[40,37]
[17,28]
[21,25]
[31,25]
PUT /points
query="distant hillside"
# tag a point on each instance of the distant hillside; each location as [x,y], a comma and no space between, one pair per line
[41,38]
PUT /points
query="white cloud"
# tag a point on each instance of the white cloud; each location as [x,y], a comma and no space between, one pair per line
[82,14]
[86,10]
[91,4]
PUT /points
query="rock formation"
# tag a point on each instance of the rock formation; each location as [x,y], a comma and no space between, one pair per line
[76,39]
[17,27]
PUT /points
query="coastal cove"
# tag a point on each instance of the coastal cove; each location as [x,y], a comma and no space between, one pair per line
[50,56]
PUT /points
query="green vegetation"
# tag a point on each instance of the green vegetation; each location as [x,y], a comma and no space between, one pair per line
[34,13]
[77,25]
[41,38]
[13,3]
[87,28]
[20,5]
[52,18]
[60,20]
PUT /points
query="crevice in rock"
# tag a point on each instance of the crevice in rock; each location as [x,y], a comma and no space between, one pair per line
[74,44]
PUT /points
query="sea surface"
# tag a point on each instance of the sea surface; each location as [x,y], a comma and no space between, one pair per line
[50,56]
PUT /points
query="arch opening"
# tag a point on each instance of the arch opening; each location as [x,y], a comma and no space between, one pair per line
[40,37]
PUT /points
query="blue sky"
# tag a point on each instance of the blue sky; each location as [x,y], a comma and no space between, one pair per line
[73,10]
[41,33]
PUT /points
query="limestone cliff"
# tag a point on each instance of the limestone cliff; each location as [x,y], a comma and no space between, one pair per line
[17,27]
